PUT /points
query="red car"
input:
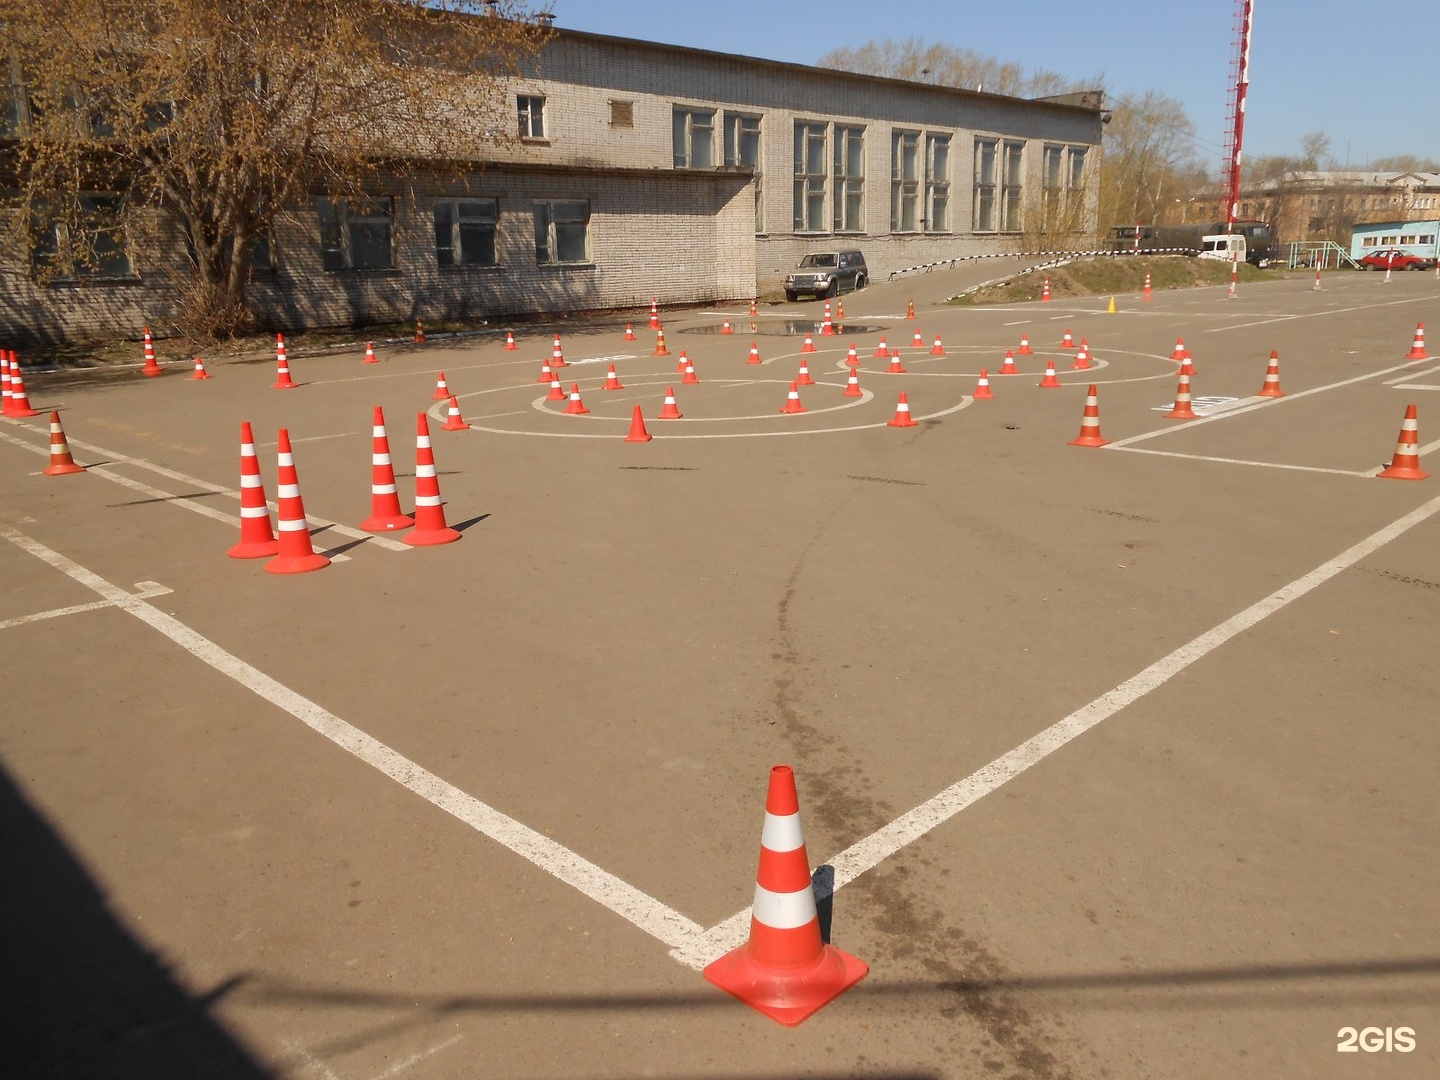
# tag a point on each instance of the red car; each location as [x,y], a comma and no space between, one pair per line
[1395,259]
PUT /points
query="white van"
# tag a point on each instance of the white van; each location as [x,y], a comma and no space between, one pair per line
[1226,247]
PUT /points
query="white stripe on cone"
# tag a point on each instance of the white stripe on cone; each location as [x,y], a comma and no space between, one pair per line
[781,833]
[784,911]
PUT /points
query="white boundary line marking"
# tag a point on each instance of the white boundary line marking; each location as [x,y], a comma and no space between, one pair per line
[1412,386]
[1413,374]
[1239,461]
[415,1059]
[869,852]
[644,911]
[1316,314]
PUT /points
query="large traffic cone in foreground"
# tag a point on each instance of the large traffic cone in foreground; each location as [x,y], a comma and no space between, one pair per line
[151,368]
[1271,387]
[455,422]
[1007,367]
[442,388]
[61,463]
[637,427]
[257,538]
[18,406]
[1405,465]
[576,407]
[1182,409]
[612,381]
[792,400]
[1049,382]
[1417,348]
[385,513]
[283,381]
[785,969]
[430,527]
[669,410]
[902,416]
[1090,422]
[1024,349]
[982,386]
[295,554]
[852,384]
[200,372]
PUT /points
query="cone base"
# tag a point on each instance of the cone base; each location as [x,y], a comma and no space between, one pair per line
[20,414]
[1089,440]
[383,523]
[151,374]
[1077,366]
[1050,384]
[985,395]
[285,386]
[787,995]
[1413,355]
[200,376]
[853,392]
[461,426]
[907,422]
[296,564]
[1175,414]
[1402,472]
[62,470]
[641,437]
[430,537]
[1270,393]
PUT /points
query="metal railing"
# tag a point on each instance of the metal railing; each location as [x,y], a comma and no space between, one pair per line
[1319,255]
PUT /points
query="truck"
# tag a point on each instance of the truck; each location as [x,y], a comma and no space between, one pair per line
[1259,239]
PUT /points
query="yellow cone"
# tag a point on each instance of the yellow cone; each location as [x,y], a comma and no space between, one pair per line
[1111,310]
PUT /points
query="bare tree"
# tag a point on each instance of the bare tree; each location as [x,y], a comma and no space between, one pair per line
[949,65]
[216,115]
[1149,160]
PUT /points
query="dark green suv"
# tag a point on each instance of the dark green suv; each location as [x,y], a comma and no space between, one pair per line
[827,273]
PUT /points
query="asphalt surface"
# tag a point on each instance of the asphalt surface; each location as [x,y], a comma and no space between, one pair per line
[1124,758]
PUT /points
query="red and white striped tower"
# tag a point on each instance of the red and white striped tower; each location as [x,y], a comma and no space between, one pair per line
[295,554]
[1090,422]
[982,386]
[283,381]
[785,969]
[61,461]
[1183,409]
[257,538]
[1405,465]
[1237,131]
[1271,387]
[385,513]
[430,527]
[19,404]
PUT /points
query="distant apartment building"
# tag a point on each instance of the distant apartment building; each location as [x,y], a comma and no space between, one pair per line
[644,170]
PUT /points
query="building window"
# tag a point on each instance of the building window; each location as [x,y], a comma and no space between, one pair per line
[356,235]
[937,183]
[1408,239]
[562,232]
[985,184]
[904,180]
[810,176]
[532,116]
[1426,238]
[89,245]
[742,148]
[622,114]
[694,138]
[465,232]
[1369,241]
[1012,186]
[1052,187]
[849,179]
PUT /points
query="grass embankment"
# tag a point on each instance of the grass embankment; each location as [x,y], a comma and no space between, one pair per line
[1101,277]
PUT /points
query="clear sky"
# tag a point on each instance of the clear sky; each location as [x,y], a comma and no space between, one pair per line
[1365,72]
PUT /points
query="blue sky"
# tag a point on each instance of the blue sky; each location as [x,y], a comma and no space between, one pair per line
[1312,62]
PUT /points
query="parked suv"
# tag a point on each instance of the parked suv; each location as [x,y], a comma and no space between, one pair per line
[827,273]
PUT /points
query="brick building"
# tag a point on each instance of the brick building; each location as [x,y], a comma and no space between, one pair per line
[644,170]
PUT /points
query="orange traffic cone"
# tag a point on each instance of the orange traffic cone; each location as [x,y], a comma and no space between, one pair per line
[430,527]
[1187,367]
[654,314]
[902,416]
[1045,291]
[852,358]
[785,969]
[419,331]
[629,332]
[200,372]
[18,406]
[937,349]
[1271,387]
[557,392]
[1066,341]
[1405,465]
[385,514]
[792,400]
[370,353]
[1180,352]
[295,555]
[669,411]
[754,353]
[690,379]
[510,345]
[61,462]
[910,309]
[982,386]
[839,310]
[1147,286]
[680,364]
[151,368]
[4,382]
[547,376]
[752,307]
[882,350]
[455,422]
[576,406]
[852,384]
[1025,349]
[612,381]
[660,349]
[283,381]
[442,389]
[809,345]
[1007,367]
[804,379]
[1082,358]
[725,328]
[1182,409]
[895,368]
[557,355]
[918,341]
[1049,381]
[1090,422]
[637,427]
[1417,348]
[257,539]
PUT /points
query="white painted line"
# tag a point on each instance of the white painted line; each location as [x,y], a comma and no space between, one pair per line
[645,912]
[314,438]
[144,590]
[1266,403]
[934,812]
[1238,461]
[410,1062]
[1412,386]
[1314,314]
[1413,375]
